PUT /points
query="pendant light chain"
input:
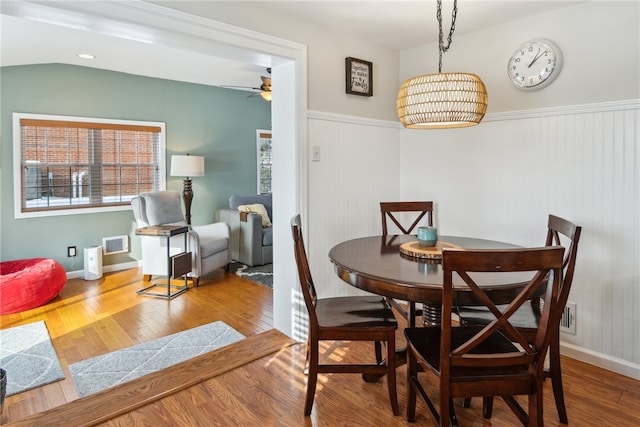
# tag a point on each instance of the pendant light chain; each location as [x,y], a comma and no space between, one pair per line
[442,48]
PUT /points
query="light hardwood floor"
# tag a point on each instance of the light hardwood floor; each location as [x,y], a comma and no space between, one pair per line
[95,317]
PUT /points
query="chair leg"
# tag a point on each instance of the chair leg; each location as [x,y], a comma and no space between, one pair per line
[556,378]
[312,378]
[412,375]
[487,406]
[411,314]
[452,414]
[535,407]
[306,359]
[517,410]
[446,405]
[146,277]
[391,372]
[378,351]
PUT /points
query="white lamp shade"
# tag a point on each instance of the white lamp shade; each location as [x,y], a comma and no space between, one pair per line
[187,166]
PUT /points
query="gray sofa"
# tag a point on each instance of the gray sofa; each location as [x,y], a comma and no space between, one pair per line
[251,243]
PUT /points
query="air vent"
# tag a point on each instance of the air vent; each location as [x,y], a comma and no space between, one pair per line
[115,245]
[568,320]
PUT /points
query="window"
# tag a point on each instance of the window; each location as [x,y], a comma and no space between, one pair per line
[264,161]
[67,165]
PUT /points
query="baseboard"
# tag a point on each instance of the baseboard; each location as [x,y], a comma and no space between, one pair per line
[106,269]
[604,361]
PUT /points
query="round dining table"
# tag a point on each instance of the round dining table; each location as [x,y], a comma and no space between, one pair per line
[376,264]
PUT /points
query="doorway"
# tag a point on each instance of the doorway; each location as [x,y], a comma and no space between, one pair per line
[162,27]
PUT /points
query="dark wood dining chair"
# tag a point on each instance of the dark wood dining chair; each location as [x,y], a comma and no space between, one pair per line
[559,232]
[392,211]
[357,318]
[482,360]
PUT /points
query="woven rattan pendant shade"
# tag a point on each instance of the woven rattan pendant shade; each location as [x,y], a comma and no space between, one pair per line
[442,100]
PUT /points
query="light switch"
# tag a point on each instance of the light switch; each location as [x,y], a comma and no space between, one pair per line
[315,156]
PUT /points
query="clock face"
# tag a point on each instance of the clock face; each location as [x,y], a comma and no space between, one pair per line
[534,65]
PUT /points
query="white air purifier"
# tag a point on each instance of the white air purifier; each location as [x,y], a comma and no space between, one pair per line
[93,263]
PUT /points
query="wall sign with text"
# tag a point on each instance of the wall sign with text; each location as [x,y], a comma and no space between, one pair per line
[359,77]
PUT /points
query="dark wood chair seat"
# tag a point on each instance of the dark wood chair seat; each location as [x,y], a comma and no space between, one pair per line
[357,318]
[354,312]
[427,344]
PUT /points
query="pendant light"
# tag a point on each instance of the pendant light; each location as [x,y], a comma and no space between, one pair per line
[442,100]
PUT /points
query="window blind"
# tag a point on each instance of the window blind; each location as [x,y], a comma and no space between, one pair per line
[77,164]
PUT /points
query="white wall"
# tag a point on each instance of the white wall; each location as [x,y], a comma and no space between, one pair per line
[599,41]
[358,167]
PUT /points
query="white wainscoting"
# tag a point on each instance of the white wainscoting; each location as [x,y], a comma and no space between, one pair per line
[359,166]
[500,180]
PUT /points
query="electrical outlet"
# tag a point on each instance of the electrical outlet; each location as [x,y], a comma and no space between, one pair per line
[71,251]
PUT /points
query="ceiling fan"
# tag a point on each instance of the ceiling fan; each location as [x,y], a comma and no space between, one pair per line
[265,87]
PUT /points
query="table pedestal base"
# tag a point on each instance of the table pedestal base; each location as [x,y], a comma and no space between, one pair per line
[431,315]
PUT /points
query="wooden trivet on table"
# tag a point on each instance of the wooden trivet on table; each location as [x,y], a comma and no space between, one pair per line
[413,249]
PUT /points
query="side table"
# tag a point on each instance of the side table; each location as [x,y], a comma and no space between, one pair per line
[178,265]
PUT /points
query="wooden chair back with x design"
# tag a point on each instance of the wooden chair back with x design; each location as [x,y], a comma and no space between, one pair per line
[392,211]
[482,360]
[357,318]
[560,232]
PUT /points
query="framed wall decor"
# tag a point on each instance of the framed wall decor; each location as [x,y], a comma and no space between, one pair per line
[359,77]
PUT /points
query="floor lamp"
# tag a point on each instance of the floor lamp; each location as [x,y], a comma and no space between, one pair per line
[187,166]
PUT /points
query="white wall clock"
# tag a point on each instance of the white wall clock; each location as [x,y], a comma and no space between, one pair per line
[535,64]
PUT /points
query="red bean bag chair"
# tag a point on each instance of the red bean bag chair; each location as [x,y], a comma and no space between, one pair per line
[29,283]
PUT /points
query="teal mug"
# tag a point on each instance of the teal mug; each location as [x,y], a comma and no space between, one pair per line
[427,236]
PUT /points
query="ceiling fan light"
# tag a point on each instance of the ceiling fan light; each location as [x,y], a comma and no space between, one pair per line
[441,101]
[266,95]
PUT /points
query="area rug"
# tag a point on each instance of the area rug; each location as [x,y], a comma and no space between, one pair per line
[28,356]
[262,274]
[100,372]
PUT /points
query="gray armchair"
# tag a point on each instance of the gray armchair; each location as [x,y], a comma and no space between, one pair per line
[251,242]
[209,243]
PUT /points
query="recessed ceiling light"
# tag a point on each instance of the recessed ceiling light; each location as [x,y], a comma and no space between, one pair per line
[86,56]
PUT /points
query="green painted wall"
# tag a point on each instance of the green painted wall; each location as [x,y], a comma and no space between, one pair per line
[217,123]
